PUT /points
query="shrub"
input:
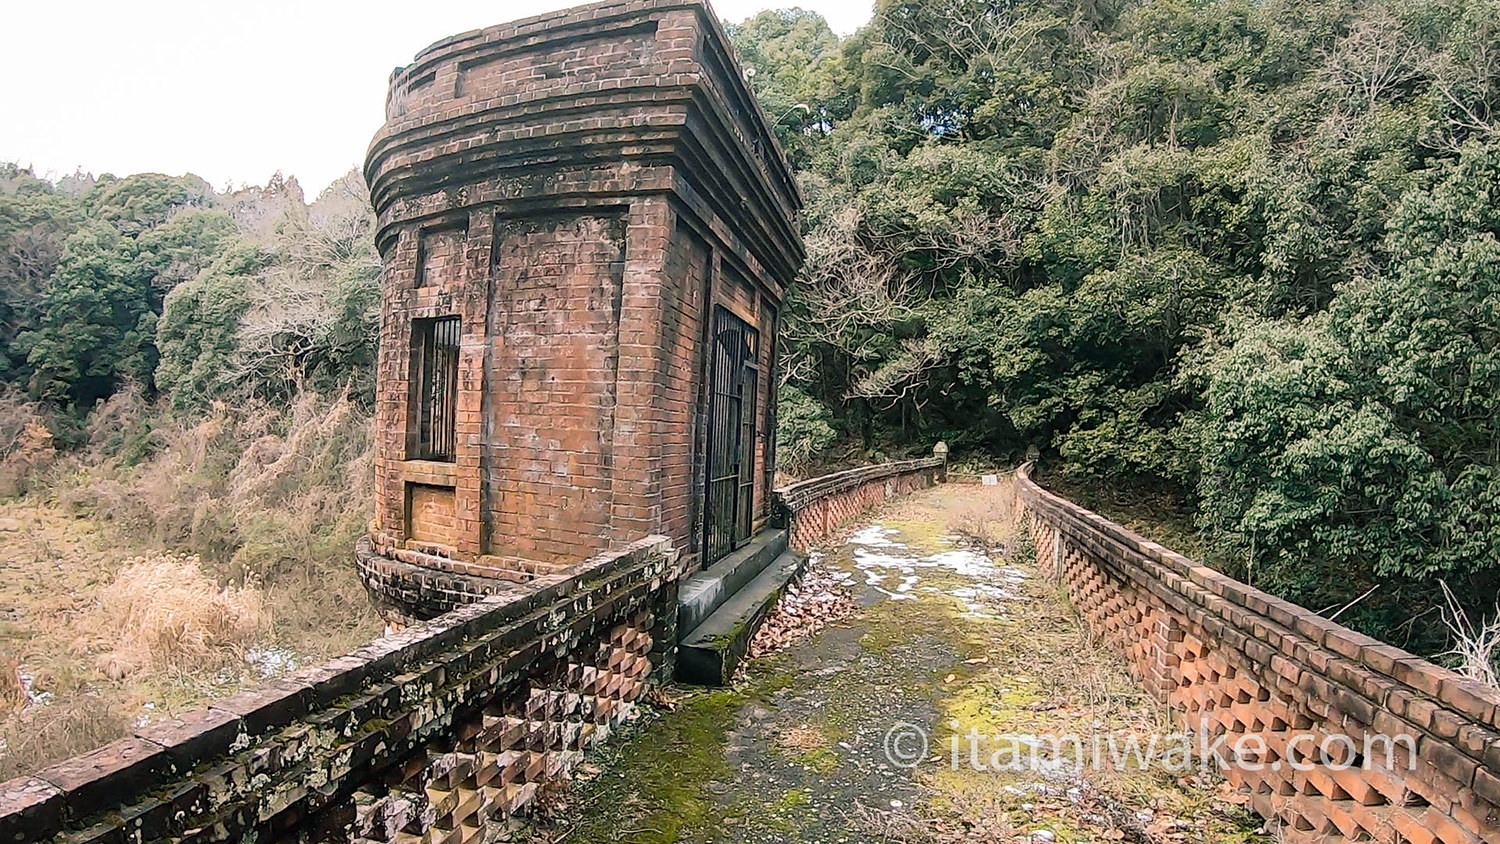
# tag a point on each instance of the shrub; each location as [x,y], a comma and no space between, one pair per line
[258,493]
[986,517]
[26,445]
[44,734]
[804,429]
[163,612]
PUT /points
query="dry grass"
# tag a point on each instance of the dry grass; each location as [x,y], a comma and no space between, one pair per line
[135,575]
[272,495]
[162,613]
[986,516]
[1038,670]
[1476,644]
[802,739]
[26,447]
[65,727]
[13,694]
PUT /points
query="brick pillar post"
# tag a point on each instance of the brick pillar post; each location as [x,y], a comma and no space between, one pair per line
[470,446]
[1056,565]
[1163,671]
[636,460]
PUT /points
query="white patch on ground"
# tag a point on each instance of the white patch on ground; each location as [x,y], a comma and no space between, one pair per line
[876,536]
[989,584]
[33,697]
[271,662]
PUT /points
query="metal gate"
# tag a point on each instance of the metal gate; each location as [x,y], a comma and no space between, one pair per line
[730,496]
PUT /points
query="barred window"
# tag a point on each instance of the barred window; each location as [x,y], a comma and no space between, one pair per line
[435,352]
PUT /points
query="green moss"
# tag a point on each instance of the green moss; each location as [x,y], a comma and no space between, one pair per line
[724,641]
[919,533]
[1025,672]
[672,760]
[821,760]
[784,815]
[793,799]
[990,704]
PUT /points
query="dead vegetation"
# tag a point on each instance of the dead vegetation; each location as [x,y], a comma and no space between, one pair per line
[270,495]
[169,561]
[986,517]
[26,446]
[819,598]
[1037,670]
[13,694]
[1476,644]
[162,613]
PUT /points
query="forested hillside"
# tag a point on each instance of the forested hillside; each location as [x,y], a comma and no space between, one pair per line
[1241,253]
[163,283]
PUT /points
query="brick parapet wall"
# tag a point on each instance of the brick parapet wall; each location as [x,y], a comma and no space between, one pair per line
[1231,660]
[439,732]
[816,509]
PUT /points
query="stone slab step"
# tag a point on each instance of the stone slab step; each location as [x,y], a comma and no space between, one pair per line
[703,593]
[711,652]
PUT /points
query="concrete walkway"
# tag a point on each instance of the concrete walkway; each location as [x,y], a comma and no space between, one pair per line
[849,735]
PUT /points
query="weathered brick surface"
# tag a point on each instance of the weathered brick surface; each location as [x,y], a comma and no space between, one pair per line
[816,509]
[579,189]
[439,732]
[1233,661]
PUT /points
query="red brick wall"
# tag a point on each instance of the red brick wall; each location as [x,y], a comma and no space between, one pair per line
[579,188]
[582,382]
[441,256]
[547,432]
[819,509]
[612,56]
[431,509]
[432,269]
[1233,661]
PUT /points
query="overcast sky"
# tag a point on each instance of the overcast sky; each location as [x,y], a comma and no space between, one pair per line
[234,91]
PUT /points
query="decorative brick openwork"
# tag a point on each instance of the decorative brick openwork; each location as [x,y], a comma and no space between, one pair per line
[582,191]
[816,509]
[512,751]
[441,732]
[1231,660]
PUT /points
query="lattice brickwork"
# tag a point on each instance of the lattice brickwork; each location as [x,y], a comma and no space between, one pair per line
[438,733]
[512,752]
[1234,662]
[817,509]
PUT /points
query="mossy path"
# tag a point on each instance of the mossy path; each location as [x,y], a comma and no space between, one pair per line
[952,634]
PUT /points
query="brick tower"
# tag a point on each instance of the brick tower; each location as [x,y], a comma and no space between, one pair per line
[587,228]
